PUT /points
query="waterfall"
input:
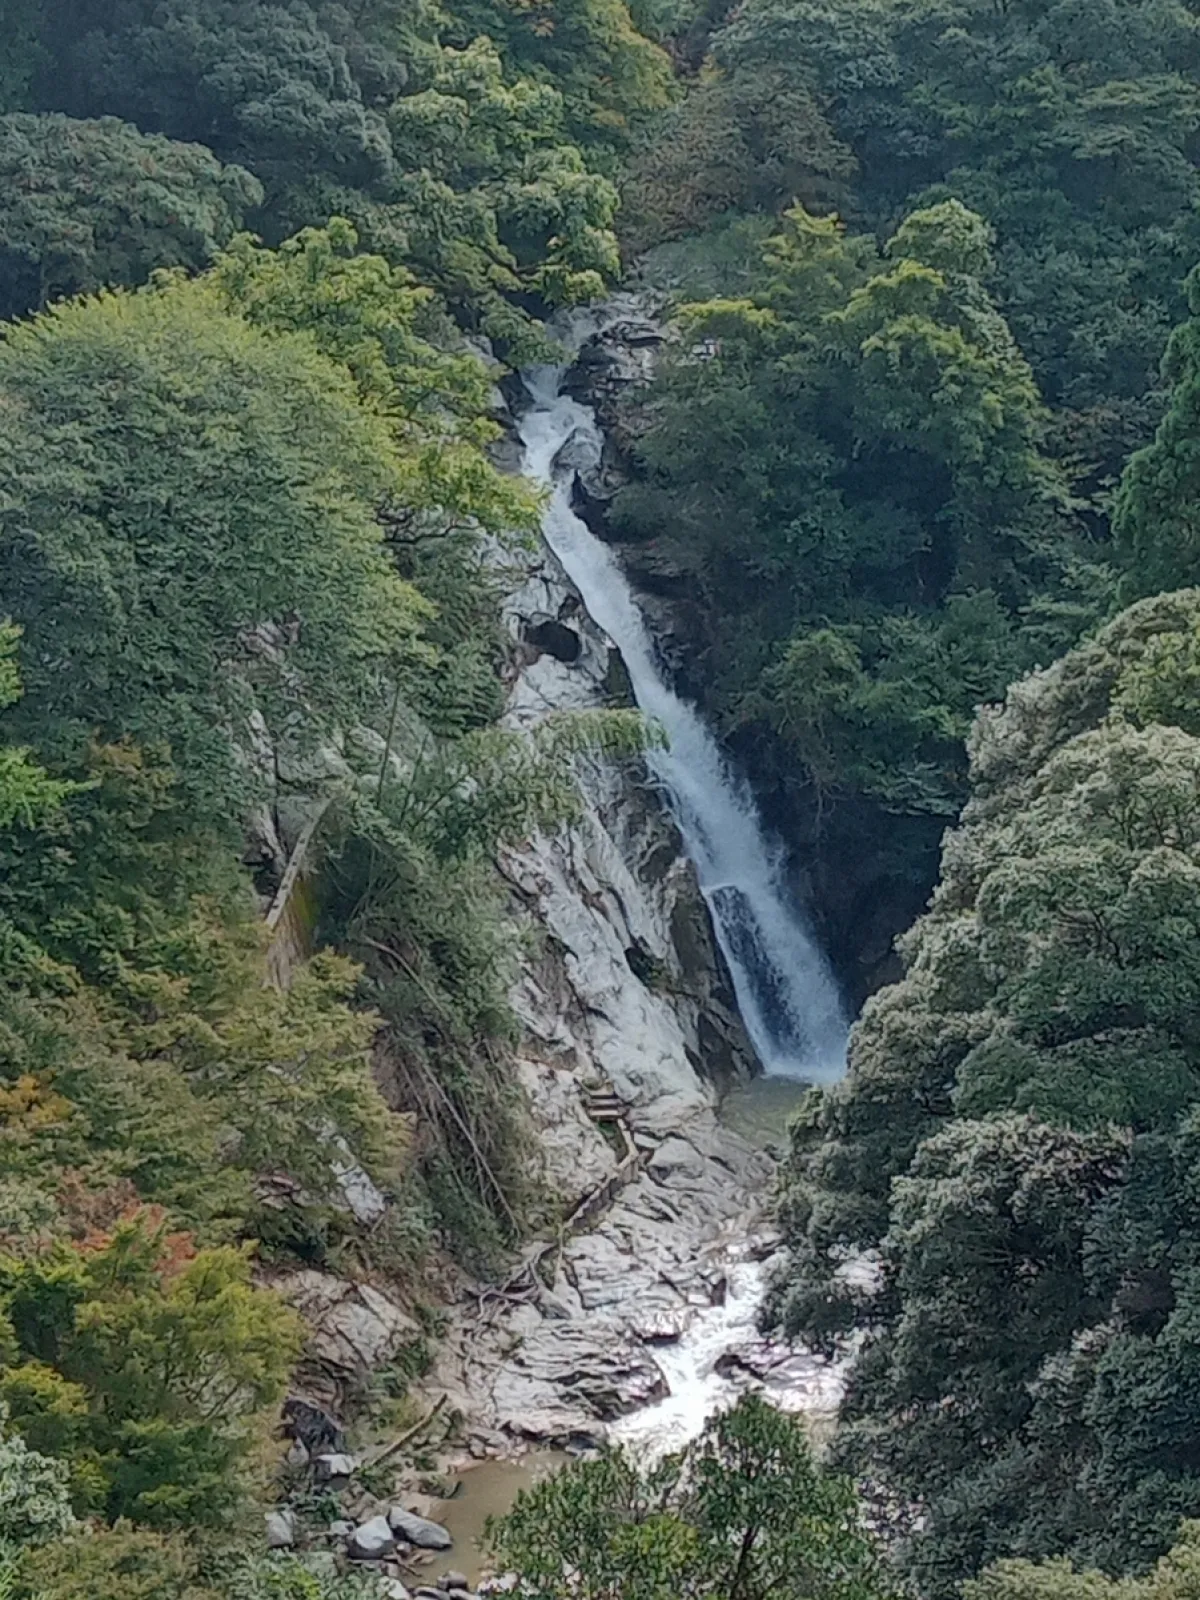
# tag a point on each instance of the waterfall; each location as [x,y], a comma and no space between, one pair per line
[785,990]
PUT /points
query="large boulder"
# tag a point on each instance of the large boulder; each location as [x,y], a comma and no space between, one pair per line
[420,1531]
[371,1541]
[567,1376]
[280,1529]
[353,1327]
[312,1427]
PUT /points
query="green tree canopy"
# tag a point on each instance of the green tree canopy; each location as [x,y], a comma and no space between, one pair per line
[187,515]
[850,462]
[89,204]
[467,144]
[743,1512]
[1072,133]
[1156,519]
[1015,1131]
[147,1365]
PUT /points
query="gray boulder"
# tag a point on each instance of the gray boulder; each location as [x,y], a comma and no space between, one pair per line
[371,1541]
[453,1580]
[419,1530]
[281,1530]
[334,1466]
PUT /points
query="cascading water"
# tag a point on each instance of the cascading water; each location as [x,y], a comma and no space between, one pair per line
[785,990]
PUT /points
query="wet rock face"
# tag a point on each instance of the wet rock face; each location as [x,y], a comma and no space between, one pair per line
[611,370]
[617,363]
[564,1377]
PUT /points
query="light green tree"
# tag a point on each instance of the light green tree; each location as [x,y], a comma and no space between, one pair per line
[743,1512]
[147,1366]
[27,792]
[227,556]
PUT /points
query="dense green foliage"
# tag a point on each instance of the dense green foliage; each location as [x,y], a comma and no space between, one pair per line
[469,144]
[137,1359]
[1175,1575]
[1016,1134]
[852,462]
[116,561]
[1155,519]
[1070,128]
[743,1512]
[847,668]
[246,522]
[91,203]
[847,473]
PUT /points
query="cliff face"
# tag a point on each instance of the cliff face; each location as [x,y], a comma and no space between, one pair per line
[624,985]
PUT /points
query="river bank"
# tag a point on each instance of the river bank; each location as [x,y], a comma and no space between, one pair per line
[716,1356]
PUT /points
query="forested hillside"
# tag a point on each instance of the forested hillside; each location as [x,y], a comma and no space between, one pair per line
[879,411]
[249,574]
[923,440]
[907,457]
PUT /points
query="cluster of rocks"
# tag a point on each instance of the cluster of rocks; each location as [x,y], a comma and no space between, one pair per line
[390,1541]
[583,1355]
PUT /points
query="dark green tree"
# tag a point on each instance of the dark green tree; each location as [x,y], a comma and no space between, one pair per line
[1015,1134]
[85,205]
[1156,527]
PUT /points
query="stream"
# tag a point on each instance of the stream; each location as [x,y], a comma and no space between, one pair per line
[717,1358]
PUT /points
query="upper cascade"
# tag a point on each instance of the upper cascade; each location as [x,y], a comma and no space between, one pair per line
[785,989]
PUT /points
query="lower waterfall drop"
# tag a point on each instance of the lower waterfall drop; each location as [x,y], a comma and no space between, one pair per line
[785,990]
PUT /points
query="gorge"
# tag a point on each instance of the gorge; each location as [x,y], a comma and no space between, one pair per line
[646,1321]
[553,556]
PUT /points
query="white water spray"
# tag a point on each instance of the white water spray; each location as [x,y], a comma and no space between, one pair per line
[785,990]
